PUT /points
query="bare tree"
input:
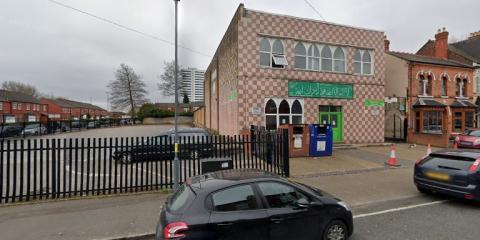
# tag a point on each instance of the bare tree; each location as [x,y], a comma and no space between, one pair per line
[167,84]
[21,87]
[127,91]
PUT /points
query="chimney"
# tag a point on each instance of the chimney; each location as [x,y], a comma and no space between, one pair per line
[441,43]
[386,44]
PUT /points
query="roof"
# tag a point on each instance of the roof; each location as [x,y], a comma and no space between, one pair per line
[428,103]
[9,96]
[469,48]
[221,179]
[463,103]
[74,104]
[428,60]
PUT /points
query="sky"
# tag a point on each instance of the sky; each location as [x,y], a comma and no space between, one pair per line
[69,54]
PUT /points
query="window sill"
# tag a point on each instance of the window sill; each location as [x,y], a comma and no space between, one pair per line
[320,71]
[424,96]
[461,97]
[444,96]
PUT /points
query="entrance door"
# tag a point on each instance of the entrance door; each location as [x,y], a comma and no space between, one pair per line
[333,115]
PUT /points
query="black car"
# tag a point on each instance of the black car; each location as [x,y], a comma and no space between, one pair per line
[194,143]
[452,172]
[11,130]
[252,204]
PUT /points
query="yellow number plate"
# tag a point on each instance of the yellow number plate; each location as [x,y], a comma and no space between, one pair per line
[438,176]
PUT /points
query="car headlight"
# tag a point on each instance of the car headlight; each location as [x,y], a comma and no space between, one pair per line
[344,205]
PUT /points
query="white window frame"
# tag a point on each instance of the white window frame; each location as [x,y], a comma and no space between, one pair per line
[14,106]
[299,55]
[322,58]
[290,102]
[372,60]
[19,106]
[1,106]
[312,57]
[272,54]
[338,59]
[27,106]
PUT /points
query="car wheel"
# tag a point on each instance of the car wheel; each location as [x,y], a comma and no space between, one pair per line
[127,158]
[335,230]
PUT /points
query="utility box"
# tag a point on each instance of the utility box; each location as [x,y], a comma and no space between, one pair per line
[215,164]
[321,140]
[298,139]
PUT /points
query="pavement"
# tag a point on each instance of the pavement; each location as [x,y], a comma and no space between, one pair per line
[384,201]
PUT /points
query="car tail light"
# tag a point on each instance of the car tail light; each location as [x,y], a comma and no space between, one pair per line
[469,196]
[174,230]
[474,167]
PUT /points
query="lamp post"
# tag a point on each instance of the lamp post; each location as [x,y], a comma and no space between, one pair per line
[176,161]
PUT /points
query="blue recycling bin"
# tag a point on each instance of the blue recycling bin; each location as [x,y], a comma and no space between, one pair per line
[321,140]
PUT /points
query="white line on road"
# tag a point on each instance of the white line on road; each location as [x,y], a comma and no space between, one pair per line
[399,209]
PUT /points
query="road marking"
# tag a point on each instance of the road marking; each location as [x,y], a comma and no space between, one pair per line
[399,209]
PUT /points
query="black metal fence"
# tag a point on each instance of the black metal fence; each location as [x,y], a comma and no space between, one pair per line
[32,169]
[24,129]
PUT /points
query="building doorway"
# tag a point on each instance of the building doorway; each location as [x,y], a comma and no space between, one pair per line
[332,115]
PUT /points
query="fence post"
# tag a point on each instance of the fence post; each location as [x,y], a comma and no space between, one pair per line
[286,158]
[54,170]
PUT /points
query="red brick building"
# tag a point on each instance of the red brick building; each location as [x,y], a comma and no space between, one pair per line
[65,109]
[437,92]
[19,107]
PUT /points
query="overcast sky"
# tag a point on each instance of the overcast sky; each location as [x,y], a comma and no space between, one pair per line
[66,53]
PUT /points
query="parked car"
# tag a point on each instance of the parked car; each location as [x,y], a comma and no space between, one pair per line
[451,172]
[34,129]
[468,139]
[252,204]
[11,130]
[93,124]
[161,147]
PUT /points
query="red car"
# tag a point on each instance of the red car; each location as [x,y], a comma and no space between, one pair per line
[469,139]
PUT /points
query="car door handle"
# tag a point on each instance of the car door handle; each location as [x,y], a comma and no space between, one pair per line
[225,224]
[276,220]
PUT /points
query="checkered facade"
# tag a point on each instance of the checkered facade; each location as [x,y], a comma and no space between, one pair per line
[255,84]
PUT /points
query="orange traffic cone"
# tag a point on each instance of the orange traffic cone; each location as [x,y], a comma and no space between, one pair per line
[392,160]
[455,145]
[429,149]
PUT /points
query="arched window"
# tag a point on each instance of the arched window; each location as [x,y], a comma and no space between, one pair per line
[313,58]
[458,87]
[272,53]
[271,115]
[284,112]
[297,112]
[362,62]
[367,63]
[444,86]
[421,85]
[428,86]
[326,59]
[357,62]
[265,52]
[339,60]
[464,87]
[300,56]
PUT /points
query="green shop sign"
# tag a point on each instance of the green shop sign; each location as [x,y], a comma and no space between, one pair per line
[320,90]
[374,103]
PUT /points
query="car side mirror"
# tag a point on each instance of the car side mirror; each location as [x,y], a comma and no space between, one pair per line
[302,203]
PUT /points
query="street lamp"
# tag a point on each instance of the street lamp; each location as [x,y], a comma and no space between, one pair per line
[176,161]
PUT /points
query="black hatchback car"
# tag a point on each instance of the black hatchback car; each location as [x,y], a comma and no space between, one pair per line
[452,172]
[252,204]
[194,143]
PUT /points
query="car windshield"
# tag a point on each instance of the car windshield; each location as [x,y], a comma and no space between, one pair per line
[475,133]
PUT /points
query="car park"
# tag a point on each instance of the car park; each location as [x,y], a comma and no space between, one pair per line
[451,172]
[469,139]
[252,204]
[194,144]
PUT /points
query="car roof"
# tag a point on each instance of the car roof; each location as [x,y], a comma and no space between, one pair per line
[468,153]
[217,180]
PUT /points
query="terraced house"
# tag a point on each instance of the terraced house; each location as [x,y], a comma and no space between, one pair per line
[272,69]
[19,107]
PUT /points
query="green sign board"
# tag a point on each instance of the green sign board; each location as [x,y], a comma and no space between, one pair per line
[320,90]
[374,103]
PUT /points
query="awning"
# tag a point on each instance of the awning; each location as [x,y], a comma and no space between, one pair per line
[463,103]
[428,103]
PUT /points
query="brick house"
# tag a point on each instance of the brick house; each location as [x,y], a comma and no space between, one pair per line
[65,109]
[272,69]
[184,107]
[20,107]
[466,51]
[436,94]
